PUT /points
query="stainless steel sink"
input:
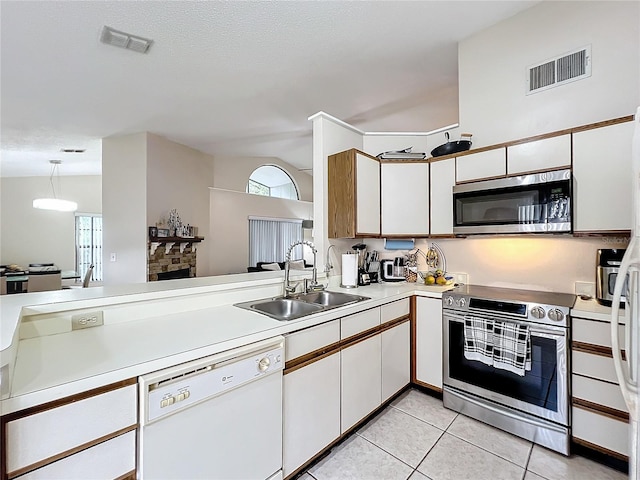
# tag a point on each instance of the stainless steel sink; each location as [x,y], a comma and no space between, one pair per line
[300,305]
[330,299]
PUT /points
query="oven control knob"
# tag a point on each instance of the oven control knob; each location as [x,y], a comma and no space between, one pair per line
[538,312]
[556,315]
[448,301]
[463,302]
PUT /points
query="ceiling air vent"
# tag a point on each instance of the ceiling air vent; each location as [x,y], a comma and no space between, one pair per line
[559,70]
[114,37]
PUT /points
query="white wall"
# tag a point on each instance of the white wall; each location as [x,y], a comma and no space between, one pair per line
[493,63]
[179,177]
[329,136]
[124,208]
[232,173]
[550,263]
[228,242]
[29,235]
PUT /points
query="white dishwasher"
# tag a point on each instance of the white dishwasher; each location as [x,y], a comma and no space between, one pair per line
[218,417]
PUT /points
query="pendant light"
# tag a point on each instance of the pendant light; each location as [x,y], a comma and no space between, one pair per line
[55,203]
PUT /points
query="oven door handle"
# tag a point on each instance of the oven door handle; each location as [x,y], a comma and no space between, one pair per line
[552,332]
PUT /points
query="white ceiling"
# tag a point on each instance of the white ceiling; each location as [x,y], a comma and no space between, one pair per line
[227,78]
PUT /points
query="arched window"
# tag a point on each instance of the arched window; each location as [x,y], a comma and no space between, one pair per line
[272,181]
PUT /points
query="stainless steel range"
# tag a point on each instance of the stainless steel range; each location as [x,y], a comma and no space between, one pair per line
[506,361]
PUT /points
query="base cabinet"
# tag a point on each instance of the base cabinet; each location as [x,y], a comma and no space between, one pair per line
[429,341]
[396,359]
[311,403]
[600,417]
[361,381]
[74,434]
[114,458]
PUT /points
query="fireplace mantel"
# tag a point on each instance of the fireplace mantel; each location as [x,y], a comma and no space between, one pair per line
[169,242]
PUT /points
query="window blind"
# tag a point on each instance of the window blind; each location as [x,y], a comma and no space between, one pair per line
[269,239]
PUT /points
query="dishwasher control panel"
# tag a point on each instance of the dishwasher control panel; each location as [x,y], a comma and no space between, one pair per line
[206,378]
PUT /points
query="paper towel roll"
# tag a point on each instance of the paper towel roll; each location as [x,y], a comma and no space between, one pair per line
[349,270]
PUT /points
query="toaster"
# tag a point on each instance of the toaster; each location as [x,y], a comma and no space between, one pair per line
[390,272]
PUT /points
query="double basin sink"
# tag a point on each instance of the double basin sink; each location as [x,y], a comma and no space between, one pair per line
[301,305]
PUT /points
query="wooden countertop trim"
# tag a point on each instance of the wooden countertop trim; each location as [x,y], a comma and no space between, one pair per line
[592,349]
[71,451]
[67,400]
[600,409]
[317,355]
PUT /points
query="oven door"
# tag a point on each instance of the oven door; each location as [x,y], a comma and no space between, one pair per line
[542,391]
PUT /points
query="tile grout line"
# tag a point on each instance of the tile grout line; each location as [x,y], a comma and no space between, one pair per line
[388,453]
[424,421]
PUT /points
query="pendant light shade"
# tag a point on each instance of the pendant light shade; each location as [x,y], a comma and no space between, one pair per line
[54,203]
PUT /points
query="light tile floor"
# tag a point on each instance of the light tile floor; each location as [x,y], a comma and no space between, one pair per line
[416,438]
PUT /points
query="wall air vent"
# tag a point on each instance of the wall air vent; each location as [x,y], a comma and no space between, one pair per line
[557,71]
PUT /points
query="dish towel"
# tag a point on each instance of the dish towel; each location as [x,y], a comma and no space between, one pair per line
[503,345]
[512,347]
[478,339]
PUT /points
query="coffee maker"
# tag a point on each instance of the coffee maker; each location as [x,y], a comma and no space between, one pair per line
[363,275]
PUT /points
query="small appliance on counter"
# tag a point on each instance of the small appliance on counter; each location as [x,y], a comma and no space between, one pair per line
[608,262]
[363,274]
[393,270]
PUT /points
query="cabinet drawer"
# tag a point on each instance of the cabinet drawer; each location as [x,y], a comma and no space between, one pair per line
[304,341]
[359,322]
[545,154]
[594,366]
[476,166]
[111,459]
[596,391]
[394,310]
[43,435]
[600,430]
[594,332]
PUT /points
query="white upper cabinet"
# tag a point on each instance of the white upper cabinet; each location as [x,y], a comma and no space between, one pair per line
[367,197]
[443,178]
[478,166]
[545,154]
[602,178]
[405,198]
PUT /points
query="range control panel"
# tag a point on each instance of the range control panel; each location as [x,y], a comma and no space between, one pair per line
[529,311]
[173,393]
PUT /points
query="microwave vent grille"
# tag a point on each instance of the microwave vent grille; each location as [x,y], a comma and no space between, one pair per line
[559,70]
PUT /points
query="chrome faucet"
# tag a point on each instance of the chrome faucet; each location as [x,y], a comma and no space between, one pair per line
[308,286]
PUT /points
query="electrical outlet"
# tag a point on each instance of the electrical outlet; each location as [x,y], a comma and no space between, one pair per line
[87,320]
[112,257]
[585,288]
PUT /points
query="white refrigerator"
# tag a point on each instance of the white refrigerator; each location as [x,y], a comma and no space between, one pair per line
[627,371]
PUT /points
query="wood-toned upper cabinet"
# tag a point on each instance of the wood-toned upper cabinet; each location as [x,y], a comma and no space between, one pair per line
[481,165]
[545,154]
[602,178]
[443,178]
[354,195]
[405,198]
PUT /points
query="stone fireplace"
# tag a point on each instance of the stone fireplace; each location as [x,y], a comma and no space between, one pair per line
[169,259]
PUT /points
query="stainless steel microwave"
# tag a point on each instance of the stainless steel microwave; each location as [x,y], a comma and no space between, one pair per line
[534,203]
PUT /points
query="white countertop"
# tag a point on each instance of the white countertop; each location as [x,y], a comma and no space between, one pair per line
[591,309]
[52,366]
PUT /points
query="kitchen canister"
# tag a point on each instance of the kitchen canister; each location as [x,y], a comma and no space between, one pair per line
[349,270]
